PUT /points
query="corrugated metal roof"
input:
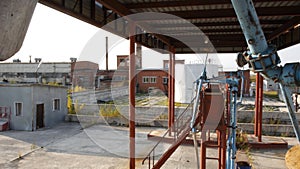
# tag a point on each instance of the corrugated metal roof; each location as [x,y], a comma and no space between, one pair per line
[216,18]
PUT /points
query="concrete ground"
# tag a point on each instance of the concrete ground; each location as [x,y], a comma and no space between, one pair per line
[102,147]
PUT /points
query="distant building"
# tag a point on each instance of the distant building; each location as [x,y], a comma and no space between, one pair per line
[149,79]
[34,106]
[186,75]
[84,74]
[45,72]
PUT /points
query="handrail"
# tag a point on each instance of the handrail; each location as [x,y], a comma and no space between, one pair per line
[152,150]
[180,117]
[167,131]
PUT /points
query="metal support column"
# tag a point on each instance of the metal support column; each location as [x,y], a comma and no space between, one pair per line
[256,105]
[203,150]
[223,148]
[171,91]
[132,97]
[173,87]
[106,53]
[260,106]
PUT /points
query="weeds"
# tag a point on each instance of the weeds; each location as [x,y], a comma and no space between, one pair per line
[109,110]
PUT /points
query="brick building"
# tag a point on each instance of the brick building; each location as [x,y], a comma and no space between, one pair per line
[84,74]
[152,79]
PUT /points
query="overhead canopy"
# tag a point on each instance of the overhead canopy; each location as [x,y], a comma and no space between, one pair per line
[279,19]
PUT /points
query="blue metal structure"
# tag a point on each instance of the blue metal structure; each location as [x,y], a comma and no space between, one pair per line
[231,141]
[263,58]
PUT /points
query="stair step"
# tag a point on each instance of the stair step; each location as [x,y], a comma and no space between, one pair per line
[212,158]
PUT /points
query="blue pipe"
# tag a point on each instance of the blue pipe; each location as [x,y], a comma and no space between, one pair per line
[261,57]
[233,117]
[250,25]
[229,145]
[288,101]
[197,100]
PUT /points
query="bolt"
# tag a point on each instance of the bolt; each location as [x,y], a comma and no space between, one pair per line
[251,41]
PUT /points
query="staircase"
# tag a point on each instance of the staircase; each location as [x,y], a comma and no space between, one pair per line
[179,132]
[209,117]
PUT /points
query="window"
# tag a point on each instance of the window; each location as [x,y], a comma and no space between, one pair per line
[145,79]
[165,80]
[149,79]
[18,109]
[56,104]
[152,79]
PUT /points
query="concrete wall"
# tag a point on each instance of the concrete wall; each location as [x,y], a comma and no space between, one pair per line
[30,96]
[45,95]
[14,21]
[142,113]
[274,123]
[11,94]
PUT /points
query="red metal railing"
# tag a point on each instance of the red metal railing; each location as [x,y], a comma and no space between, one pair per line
[180,131]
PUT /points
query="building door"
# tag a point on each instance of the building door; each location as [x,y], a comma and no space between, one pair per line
[39,116]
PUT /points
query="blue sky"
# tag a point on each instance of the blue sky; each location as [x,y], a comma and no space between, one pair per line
[55,37]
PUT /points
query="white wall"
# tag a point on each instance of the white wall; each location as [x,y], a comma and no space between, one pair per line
[30,96]
[186,75]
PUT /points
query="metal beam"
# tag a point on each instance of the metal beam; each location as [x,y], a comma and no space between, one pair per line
[121,10]
[209,24]
[229,13]
[61,8]
[221,37]
[287,26]
[162,4]
[115,6]
[93,10]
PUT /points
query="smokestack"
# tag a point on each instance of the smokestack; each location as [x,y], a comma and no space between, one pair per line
[106,38]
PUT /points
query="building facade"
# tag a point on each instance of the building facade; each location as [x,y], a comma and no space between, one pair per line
[149,79]
[38,72]
[34,106]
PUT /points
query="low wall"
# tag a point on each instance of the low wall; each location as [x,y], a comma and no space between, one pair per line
[274,123]
[89,120]
[275,117]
